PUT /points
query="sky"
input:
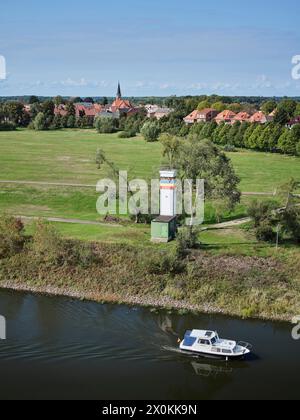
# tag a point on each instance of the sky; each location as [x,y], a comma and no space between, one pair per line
[158,47]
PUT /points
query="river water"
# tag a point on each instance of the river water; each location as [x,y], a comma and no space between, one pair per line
[59,348]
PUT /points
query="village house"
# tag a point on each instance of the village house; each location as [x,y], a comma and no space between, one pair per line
[241,117]
[159,113]
[205,115]
[81,109]
[259,118]
[293,122]
[225,117]
[271,116]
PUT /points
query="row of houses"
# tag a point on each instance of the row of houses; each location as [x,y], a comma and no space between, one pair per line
[227,117]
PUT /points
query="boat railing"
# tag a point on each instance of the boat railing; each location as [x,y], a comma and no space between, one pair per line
[247,346]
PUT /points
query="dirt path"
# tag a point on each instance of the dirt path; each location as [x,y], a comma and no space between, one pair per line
[62,220]
[48,184]
[65,184]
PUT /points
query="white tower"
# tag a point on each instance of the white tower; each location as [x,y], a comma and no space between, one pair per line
[168,193]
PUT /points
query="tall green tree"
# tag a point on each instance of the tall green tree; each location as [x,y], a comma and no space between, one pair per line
[150,131]
[197,159]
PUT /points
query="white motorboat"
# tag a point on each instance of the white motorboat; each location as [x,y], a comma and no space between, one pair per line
[208,344]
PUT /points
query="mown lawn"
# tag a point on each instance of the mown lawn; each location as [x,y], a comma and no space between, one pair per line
[68,156]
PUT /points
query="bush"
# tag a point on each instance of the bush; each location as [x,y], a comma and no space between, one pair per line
[7,126]
[48,247]
[40,122]
[229,148]
[265,232]
[106,125]
[127,134]
[12,237]
[298,149]
[187,238]
[150,131]
[46,243]
[166,264]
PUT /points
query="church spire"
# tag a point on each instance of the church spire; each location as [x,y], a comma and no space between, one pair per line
[119,93]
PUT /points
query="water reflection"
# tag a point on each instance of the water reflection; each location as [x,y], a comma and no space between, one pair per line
[63,348]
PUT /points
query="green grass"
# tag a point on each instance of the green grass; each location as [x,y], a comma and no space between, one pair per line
[68,156]
[264,172]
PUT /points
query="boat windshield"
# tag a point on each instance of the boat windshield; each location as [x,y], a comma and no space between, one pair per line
[213,341]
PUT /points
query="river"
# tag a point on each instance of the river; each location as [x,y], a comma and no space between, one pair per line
[59,348]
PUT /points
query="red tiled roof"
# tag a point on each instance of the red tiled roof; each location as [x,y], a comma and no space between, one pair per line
[193,115]
[226,115]
[89,111]
[242,116]
[258,117]
[120,103]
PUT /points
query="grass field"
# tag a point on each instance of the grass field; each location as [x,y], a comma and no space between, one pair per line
[68,156]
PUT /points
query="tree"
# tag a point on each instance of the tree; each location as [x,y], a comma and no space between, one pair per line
[281,116]
[71,121]
[268,106]
[283,142]
[171,145]
[56,123]
[235,107]
[233,132]
[203,160]
[40,122]
[150,131]
[104,101]
[89,100]
[289,106]
[70,108]
[58,100]
[15,113]
[219,106]
[289,140]
[33,100]
[297,110]
[268,139]
[76,100]
[239,138]
[253,142]
[203,105]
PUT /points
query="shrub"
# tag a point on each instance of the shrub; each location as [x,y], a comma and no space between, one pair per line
[187,238]
[127,134]
[265,232]
[229,148]
[40,122]
[11,236]
[47,246]
[165,264]
[150,131]
[7,126]
[106,125]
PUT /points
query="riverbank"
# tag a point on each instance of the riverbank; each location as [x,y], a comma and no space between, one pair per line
[248,287]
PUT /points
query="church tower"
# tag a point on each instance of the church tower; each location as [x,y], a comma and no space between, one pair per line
[119,93]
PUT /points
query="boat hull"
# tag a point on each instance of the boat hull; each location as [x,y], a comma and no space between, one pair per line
[215,356]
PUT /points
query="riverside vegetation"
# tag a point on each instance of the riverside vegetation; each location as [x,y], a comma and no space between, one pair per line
[248,286]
